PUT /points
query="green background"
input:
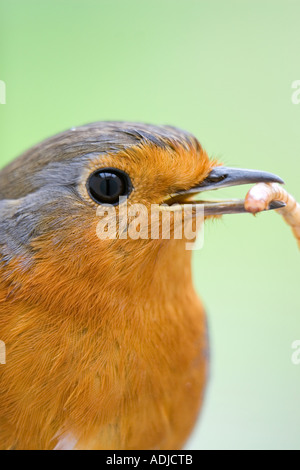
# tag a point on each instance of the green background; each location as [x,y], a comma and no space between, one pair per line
[222,70]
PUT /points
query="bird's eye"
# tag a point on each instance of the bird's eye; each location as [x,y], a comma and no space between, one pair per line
[105,186]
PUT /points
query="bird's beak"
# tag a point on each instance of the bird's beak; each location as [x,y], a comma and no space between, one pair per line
[222,177]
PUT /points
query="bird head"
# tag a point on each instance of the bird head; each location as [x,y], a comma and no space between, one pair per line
[53,197]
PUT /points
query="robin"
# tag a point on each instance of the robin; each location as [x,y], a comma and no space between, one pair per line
[105,337]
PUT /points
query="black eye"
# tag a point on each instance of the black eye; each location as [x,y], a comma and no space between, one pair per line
[105,186]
